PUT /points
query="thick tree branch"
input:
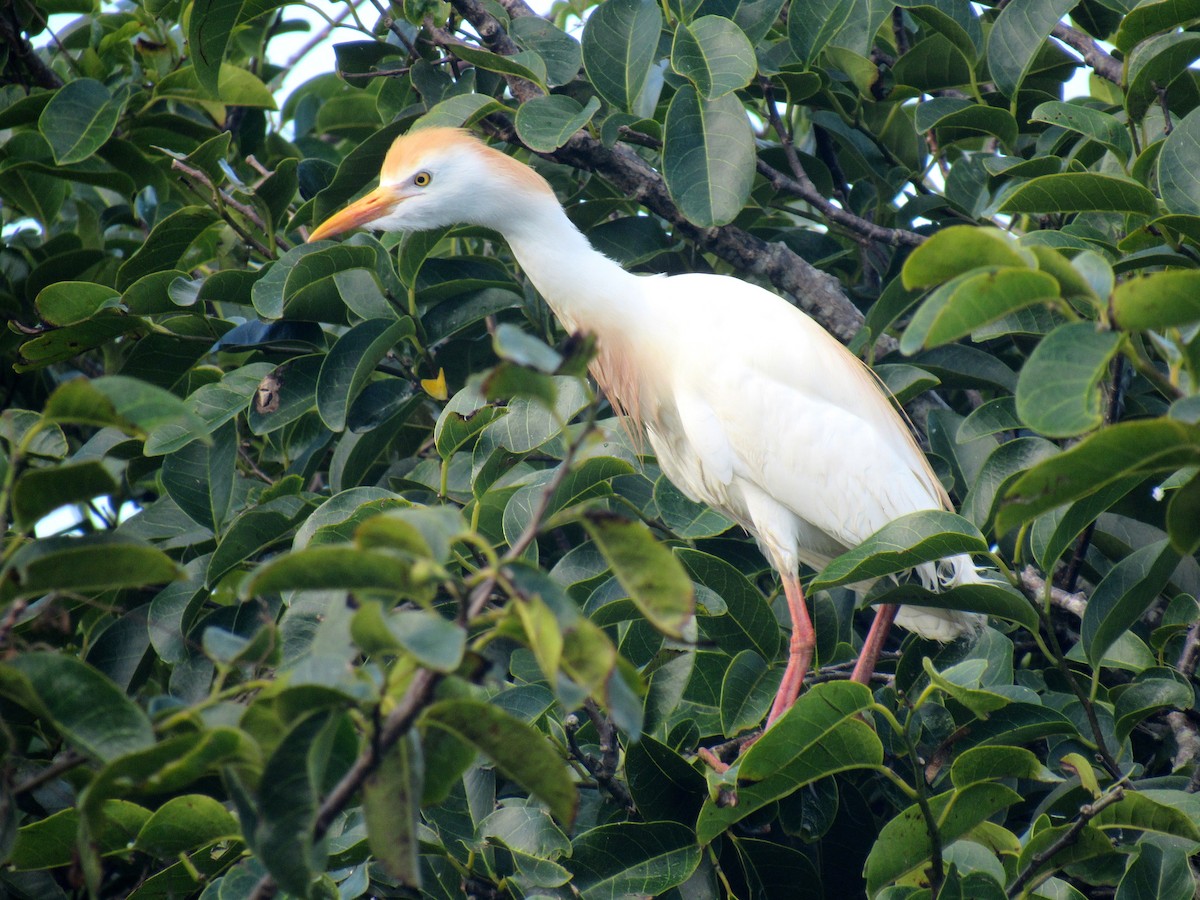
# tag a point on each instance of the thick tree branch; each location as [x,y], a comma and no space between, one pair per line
[1103,64]
[22,56]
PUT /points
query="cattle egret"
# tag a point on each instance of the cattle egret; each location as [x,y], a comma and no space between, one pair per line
[749,405]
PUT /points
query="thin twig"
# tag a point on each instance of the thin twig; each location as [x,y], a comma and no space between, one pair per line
[64,763]
[221,197]
[1087,812]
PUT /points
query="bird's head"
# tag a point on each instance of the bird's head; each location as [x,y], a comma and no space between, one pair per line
[435,177]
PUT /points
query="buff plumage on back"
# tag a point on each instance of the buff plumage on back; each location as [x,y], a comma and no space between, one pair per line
[423,146]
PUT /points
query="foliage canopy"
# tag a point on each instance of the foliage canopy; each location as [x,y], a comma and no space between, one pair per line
[372,592]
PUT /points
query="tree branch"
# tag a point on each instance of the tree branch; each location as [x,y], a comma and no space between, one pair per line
[1103,64]
[1034,586]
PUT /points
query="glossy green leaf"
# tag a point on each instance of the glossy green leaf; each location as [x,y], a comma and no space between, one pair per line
[746,693]
[1154,65]
[957,250]
[1150,18]
[519,751]
[619,44]
[1101,127]
[91,712]
[85,564]
[956,119]
[821,734]
[714,55]
[1123,595]
[560,52]
[1145,698]
[1159,872]
[991,763]
[71,302]
[201,478]
[185,824]
[746,623]
[79,118]
[654,578]
[908,541]
[350,362]
[1163,814]
[1058,393]
[1016,36]
[708,156]
[1080,192]
[546,123]
[392,807]
[632,858]
[975,301]
[812,26]
[1156,301]
[1140,447]
[166,245]
[988,599]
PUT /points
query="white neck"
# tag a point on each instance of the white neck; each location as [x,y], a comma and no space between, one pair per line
[585,289]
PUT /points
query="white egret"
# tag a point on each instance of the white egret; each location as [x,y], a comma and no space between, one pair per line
[749,405]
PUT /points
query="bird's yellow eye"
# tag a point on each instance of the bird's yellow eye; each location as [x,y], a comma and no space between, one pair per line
[421,179]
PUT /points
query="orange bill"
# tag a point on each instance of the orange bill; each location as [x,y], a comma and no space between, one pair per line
[360,213]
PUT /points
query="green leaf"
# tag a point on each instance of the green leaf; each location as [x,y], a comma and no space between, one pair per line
[167,244]
[52,842]
[210,27]
[255,530]
[632,858]
[1154,65]
[86,564]
[547,122]
[654,578]
[1141,447]
[972,301]
[714,55]
[747,622]
[708,156]
[746,692]
[1002,467]
[1176,170]
[904,843]
[392,808]
[900,545]
[519,752]
[961,682]
[1141,812]
[71,302]
[1090,843]
[38,492]
[201,478]
[1080,192]
[957,250]
[619,43]
[185,824]
[1123,595]
[812,26]
[433,641]
[1156,301]
[350,362]
[663,785]
[989,763]
[1101,127]
[335,567]
[998,600]
[236,86]
[1017,35]
[1058,392]
[79,119]
[1145,698]
[1152,17]
[1183,517]
[822,734]
[561,52]
[1161,873]
[91,712]
[956,119]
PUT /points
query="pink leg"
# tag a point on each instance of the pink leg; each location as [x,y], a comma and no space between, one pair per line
[800,648]
[876,637]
